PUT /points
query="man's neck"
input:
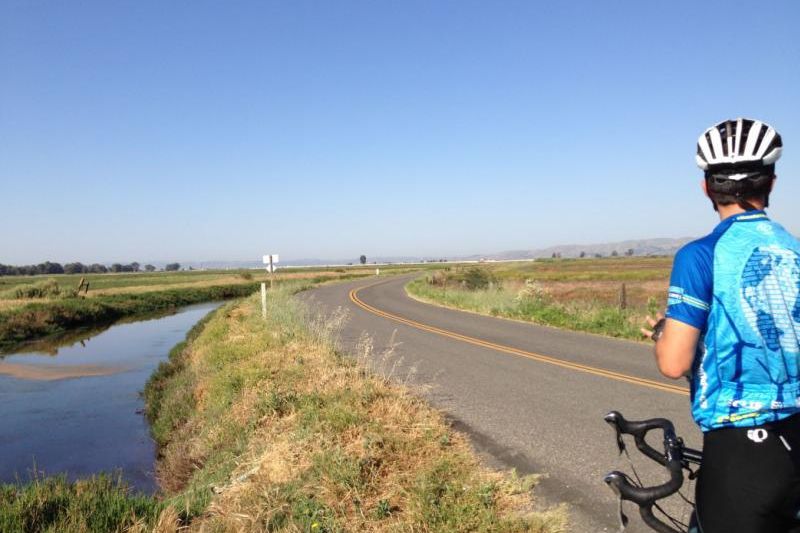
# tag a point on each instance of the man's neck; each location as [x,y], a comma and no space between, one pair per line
[727,211]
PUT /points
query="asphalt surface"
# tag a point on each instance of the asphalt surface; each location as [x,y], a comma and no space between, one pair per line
[529,397]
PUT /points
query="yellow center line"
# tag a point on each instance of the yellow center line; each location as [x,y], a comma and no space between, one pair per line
[666,387]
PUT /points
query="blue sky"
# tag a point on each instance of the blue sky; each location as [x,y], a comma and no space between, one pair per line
[223,130]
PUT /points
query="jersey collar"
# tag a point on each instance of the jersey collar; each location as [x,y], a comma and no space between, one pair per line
[748,216]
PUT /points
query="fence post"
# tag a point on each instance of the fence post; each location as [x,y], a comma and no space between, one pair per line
[623,297]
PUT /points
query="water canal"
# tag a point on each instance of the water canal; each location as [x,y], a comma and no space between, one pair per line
[77,409]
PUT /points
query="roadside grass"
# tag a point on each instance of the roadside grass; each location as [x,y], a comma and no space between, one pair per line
[581,295]
[265,426]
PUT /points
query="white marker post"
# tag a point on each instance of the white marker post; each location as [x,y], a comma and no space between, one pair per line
[269,260]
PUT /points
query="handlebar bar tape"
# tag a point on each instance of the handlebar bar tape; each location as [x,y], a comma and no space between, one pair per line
[671,458]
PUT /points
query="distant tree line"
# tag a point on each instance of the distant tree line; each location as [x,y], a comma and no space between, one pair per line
[77,268]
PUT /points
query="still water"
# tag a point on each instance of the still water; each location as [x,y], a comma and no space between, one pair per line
[77,409]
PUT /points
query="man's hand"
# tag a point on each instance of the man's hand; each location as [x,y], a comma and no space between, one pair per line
[652,323]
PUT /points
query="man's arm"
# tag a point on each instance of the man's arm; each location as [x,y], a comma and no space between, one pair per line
[676,347]
[688,306]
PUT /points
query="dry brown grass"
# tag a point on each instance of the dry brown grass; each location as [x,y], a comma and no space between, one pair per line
[221,280]
[605,292]
[325,442]
[10,304]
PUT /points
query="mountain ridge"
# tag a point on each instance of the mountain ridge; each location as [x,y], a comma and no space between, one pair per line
[640,247]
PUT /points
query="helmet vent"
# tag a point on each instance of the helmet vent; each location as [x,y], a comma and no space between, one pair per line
[746,125]
[710,146]
[761,135]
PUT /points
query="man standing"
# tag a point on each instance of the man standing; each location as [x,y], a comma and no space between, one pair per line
[732,325]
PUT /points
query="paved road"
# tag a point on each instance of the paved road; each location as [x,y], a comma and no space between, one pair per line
[529,397]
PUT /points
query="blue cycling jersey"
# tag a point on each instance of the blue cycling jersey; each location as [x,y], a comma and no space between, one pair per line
[739,286]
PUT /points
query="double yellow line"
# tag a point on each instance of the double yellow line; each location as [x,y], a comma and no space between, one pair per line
[666,387]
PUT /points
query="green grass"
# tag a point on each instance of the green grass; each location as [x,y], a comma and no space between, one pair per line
[37,320]
[100,504]
[113,281]
[43,288]
[144,280]
[589,316]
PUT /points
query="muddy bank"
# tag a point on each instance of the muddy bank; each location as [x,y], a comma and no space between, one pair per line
[54,372]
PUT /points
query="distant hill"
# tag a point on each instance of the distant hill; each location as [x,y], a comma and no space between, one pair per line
[288,262]
[641,247]
[663,246]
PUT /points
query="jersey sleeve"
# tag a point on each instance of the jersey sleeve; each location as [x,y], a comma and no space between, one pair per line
[691,285]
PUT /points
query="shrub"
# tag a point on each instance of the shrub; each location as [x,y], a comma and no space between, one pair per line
[40,289]
[477,278]
[532,290]
[438,279]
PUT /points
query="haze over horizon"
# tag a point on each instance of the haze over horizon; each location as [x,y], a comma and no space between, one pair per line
[143,131]
[589,248]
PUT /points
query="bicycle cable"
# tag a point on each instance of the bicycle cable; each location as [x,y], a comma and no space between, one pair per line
[638,482]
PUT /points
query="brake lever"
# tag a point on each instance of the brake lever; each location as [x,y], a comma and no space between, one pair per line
[623,518]
[612,419]
[620,441]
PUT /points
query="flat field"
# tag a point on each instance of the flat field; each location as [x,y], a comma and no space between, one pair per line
[104,284]
[610,296]
[39,307]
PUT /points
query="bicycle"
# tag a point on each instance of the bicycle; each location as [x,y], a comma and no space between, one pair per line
[676,458]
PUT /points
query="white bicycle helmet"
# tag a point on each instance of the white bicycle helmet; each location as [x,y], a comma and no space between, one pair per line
[738,149]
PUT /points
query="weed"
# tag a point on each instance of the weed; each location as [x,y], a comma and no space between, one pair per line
[383,510]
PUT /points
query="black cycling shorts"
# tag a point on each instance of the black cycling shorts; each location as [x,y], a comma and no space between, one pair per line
[750,479]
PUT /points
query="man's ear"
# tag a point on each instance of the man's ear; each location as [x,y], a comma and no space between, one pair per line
[704,186]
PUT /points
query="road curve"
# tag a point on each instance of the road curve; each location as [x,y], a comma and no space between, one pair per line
[529,397]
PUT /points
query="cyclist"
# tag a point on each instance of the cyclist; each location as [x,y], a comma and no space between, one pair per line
[732,325]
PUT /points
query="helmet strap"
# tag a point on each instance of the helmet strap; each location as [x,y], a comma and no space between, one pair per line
[747,206]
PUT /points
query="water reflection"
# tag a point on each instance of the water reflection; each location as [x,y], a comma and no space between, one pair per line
[52,344]
[82,424]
